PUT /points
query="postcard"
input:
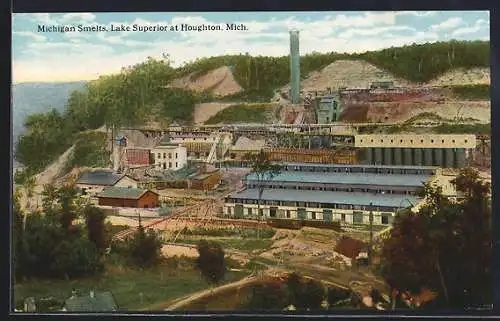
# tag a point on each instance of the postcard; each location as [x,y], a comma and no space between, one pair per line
[257,162]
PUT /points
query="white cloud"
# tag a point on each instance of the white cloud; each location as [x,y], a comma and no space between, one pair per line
[33,35]
[479,25]
[373,31]
[416,13]
[448,24]
[77,59]
[77,17]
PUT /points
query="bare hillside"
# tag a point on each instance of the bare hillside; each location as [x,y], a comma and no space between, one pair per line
[205,111]
[220,81]
[348,73]
[462,77]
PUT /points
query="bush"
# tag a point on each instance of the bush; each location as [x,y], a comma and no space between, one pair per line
[304,294]
[334,295]
[267,296]
[210,261]
[243,232]
[286,224]
[142,249]
[323,224]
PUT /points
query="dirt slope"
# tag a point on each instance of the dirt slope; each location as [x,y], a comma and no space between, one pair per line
[203,112]
[45,177]
[347,73]
[221,82]
[462,76]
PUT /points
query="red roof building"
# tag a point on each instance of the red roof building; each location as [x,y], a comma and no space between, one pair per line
[138,157]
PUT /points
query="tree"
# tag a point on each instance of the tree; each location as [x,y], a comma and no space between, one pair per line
[211,261]
[94,219]
[143,248]
[66,196]
[264,169]
[267,296]
[446,246]
[304,295]
[335,295]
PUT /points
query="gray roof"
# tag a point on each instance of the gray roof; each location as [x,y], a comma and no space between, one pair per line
[122,192]
[104,178]
[291,195]
[348,178]
[101,302]
[358,166]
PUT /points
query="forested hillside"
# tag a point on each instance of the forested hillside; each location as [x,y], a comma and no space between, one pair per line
[140,94]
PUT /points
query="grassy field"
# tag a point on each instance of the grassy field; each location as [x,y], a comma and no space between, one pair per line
[247,245]
[242,113]
[160,284]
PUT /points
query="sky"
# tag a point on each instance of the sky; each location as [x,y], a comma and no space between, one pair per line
[71,56]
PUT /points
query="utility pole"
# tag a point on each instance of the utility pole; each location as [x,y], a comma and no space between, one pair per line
[370,249]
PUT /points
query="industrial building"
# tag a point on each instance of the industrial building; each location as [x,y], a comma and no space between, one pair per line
[446,151]
[94,182]
[128,197]
[169,156]
[345,193]
[327,109]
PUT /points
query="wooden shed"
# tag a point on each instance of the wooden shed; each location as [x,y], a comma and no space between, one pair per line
[128,197]
[206,181]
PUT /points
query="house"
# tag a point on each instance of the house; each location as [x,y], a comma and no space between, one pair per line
[169,156]
[94,302]
[128,197]
[205,181]
[94,182]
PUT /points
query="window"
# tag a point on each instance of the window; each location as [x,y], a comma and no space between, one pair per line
[385,218]
[170,165]
[176,164]
[453,141]
[465,141]
[313,215]
[249,211]
[401,141]
[176,156]
[164,155]
[381,140]
[392,140]
[159,155]
[164,166]
[288,214]
[342,217]
[372,140]
[361,140]
[169,155]
[421,140]
[442,141]
[432,140]
[411,141]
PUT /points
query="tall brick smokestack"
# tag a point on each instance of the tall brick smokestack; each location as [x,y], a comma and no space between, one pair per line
[294,67]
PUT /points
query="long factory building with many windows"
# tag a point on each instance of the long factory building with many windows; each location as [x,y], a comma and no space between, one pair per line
[345,193]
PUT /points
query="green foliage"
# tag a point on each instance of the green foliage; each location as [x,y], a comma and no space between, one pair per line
[23,176]
[211,261]
[141,250]
[47,136]
[477,129]
[267,296]
[235,231]
[304,294]
[334,295]
[94,219]
[90,151]
[423,62]
[472,92]
[428,249]
[241,113]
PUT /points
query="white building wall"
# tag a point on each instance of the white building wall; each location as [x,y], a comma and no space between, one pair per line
[170,157]
[345,216]
[416,141]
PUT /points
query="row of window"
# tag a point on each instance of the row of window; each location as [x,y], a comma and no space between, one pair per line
[164,165]
[334,189]
[313,205]
[369,170]
[411,141]
[165,155]
[386,218]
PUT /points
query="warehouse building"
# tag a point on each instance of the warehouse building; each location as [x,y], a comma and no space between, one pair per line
[446,151]
[128,197]
[345,193]
[94,182]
